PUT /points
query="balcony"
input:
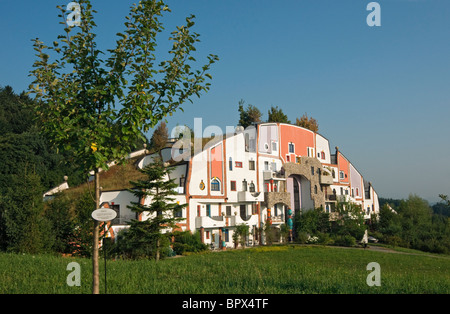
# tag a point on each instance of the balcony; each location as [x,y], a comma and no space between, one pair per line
[326,179]
[215,221]
[271,175]
[246,196]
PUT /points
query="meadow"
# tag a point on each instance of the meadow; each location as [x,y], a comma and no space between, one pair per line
[261,270]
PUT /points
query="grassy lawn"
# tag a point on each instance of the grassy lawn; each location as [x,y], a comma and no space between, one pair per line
[271,270]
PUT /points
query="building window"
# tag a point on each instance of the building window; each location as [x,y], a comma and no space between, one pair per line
[227,237]
[291,148]
[252,187]
[322,155]
[238,164]
[312,171]
[228,210]
[357,192]
[274,146]
[288,159]
[230,163]
[244,185]
[198,211]
[266,165]
[233,185]
[315,189]
[207,235]
[341,175]
[273,166]
[251,165]
[215,185]
[254,208]
[182,180]
[208,210]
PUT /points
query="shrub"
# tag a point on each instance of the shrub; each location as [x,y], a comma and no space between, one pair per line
[345,240]
[185,241]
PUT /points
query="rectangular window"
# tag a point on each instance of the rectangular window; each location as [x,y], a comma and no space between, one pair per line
[228,210]
[244,185]
[254,208]
[273,166]
[288,159]
[207,235]
[233,185]
[227,237]
[230,162]
[238,164]
[251,165]
[208,210]
[266,165]
[274,146]
[291,148]
[341,175]
[198,211]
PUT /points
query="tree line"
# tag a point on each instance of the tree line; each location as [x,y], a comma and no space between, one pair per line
[410,223]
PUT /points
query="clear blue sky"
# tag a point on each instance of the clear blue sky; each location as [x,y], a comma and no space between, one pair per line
[379,93]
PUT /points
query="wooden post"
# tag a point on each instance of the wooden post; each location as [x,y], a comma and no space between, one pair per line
[95,274]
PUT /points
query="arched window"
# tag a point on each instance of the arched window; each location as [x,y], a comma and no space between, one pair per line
[215,185]
[322,155]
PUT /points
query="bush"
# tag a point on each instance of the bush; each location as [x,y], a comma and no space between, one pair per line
[302,237]
[344,240]
[185,241]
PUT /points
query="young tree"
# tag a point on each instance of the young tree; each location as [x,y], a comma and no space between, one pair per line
[78,95]
[161,212]
[308,123]
[277,115]
[248,116]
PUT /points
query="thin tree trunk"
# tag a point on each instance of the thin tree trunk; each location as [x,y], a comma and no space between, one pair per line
[95,273]
[157,250]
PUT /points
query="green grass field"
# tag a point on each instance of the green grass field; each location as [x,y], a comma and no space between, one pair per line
[267,270]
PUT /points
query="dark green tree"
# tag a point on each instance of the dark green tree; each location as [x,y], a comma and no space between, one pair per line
[24,225]
[248,116]
[160,214]
[277,115]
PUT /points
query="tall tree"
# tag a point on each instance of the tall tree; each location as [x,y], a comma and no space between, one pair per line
[79,93]
[308,122]
[159,137]
[162,210]
[277,115]
[248,116]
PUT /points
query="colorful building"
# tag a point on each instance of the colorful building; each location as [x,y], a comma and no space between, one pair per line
[252,176]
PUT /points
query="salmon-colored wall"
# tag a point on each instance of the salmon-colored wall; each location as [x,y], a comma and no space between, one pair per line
[343,166]
[301,138]
[217,163]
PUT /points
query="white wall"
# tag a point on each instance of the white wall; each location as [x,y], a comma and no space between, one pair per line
[322,145]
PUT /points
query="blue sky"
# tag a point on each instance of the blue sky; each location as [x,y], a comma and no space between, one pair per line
[379,93]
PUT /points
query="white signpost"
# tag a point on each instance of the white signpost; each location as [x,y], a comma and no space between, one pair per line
[104,214]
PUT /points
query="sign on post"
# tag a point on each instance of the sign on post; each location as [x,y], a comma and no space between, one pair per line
[104,214]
